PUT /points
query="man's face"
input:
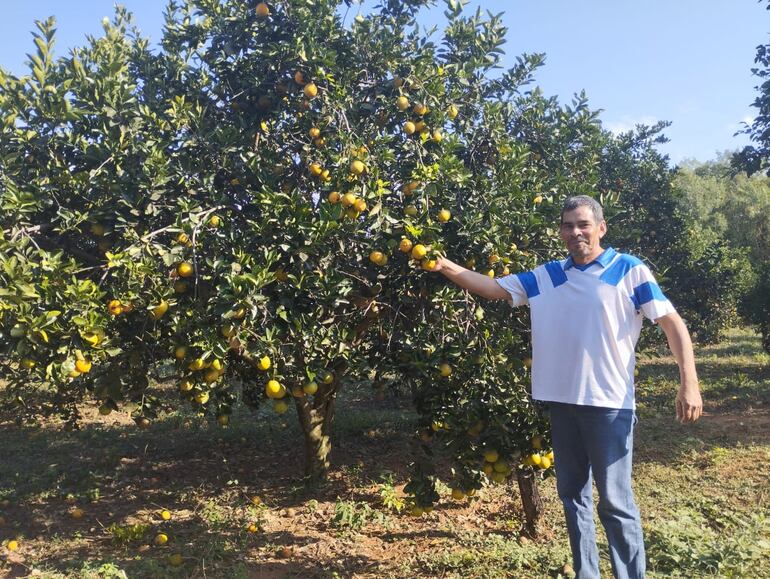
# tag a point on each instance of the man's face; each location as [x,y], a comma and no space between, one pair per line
[581,234]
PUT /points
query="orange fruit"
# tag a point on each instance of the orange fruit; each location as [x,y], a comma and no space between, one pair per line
[310,90]
[264,363]
[378,258]
[114,307]
[158,311]
[357,167]
[405,245]
[419,251]
[83,366]
[491,455]
[185,269]
[186,385]
[228,330]
[275,389]
[211,376]
[161,539]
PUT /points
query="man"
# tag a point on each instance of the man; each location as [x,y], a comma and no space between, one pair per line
[586,314]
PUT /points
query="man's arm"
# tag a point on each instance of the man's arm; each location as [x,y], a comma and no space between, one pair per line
[472,281]
[689,405]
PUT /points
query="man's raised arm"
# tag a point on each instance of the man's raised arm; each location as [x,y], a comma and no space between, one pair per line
[472,281]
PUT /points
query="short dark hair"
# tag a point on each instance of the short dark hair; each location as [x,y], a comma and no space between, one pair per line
[576,201]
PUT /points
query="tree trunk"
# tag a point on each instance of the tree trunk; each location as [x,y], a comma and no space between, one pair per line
[315,419]
[530,499]
[318,443]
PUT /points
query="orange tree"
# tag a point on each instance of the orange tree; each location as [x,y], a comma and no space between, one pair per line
[253,211]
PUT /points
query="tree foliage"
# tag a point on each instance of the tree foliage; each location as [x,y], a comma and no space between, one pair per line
[755,158]
[734,211]
[231,213]
[652,217]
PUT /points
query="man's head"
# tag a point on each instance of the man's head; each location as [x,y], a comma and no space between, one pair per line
[582,228]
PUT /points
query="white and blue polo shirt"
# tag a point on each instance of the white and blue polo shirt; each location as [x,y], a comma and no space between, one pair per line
[586,320]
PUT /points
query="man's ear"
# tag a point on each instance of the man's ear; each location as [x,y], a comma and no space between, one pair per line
[602,229]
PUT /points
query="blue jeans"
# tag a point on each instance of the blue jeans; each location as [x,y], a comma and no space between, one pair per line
[591,440]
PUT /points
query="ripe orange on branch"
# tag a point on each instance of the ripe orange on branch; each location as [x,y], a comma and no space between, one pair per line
[310,90]
[357,167]
[185,269]
[419,251]
[83,366]
[158,311]
[114,307]
[275,389]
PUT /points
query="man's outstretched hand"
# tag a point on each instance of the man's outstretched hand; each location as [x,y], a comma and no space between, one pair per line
[439,264]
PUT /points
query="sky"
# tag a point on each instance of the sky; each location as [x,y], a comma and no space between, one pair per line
[684,61]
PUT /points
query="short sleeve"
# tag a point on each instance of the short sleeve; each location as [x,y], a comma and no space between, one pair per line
[647,295]
[516,286]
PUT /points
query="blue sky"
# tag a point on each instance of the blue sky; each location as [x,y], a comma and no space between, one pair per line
[685,61]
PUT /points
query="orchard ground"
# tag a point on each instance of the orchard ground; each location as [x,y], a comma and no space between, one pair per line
[703,489]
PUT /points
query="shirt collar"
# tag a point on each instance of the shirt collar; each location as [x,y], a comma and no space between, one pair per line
[604,260]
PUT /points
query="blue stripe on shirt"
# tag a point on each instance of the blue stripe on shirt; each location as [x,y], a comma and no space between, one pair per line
[556,271]
[618,270]
[647,292]
[529,281]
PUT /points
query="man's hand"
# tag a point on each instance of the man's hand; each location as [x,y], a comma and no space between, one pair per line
[439,264]
[689,404]
[472,281]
